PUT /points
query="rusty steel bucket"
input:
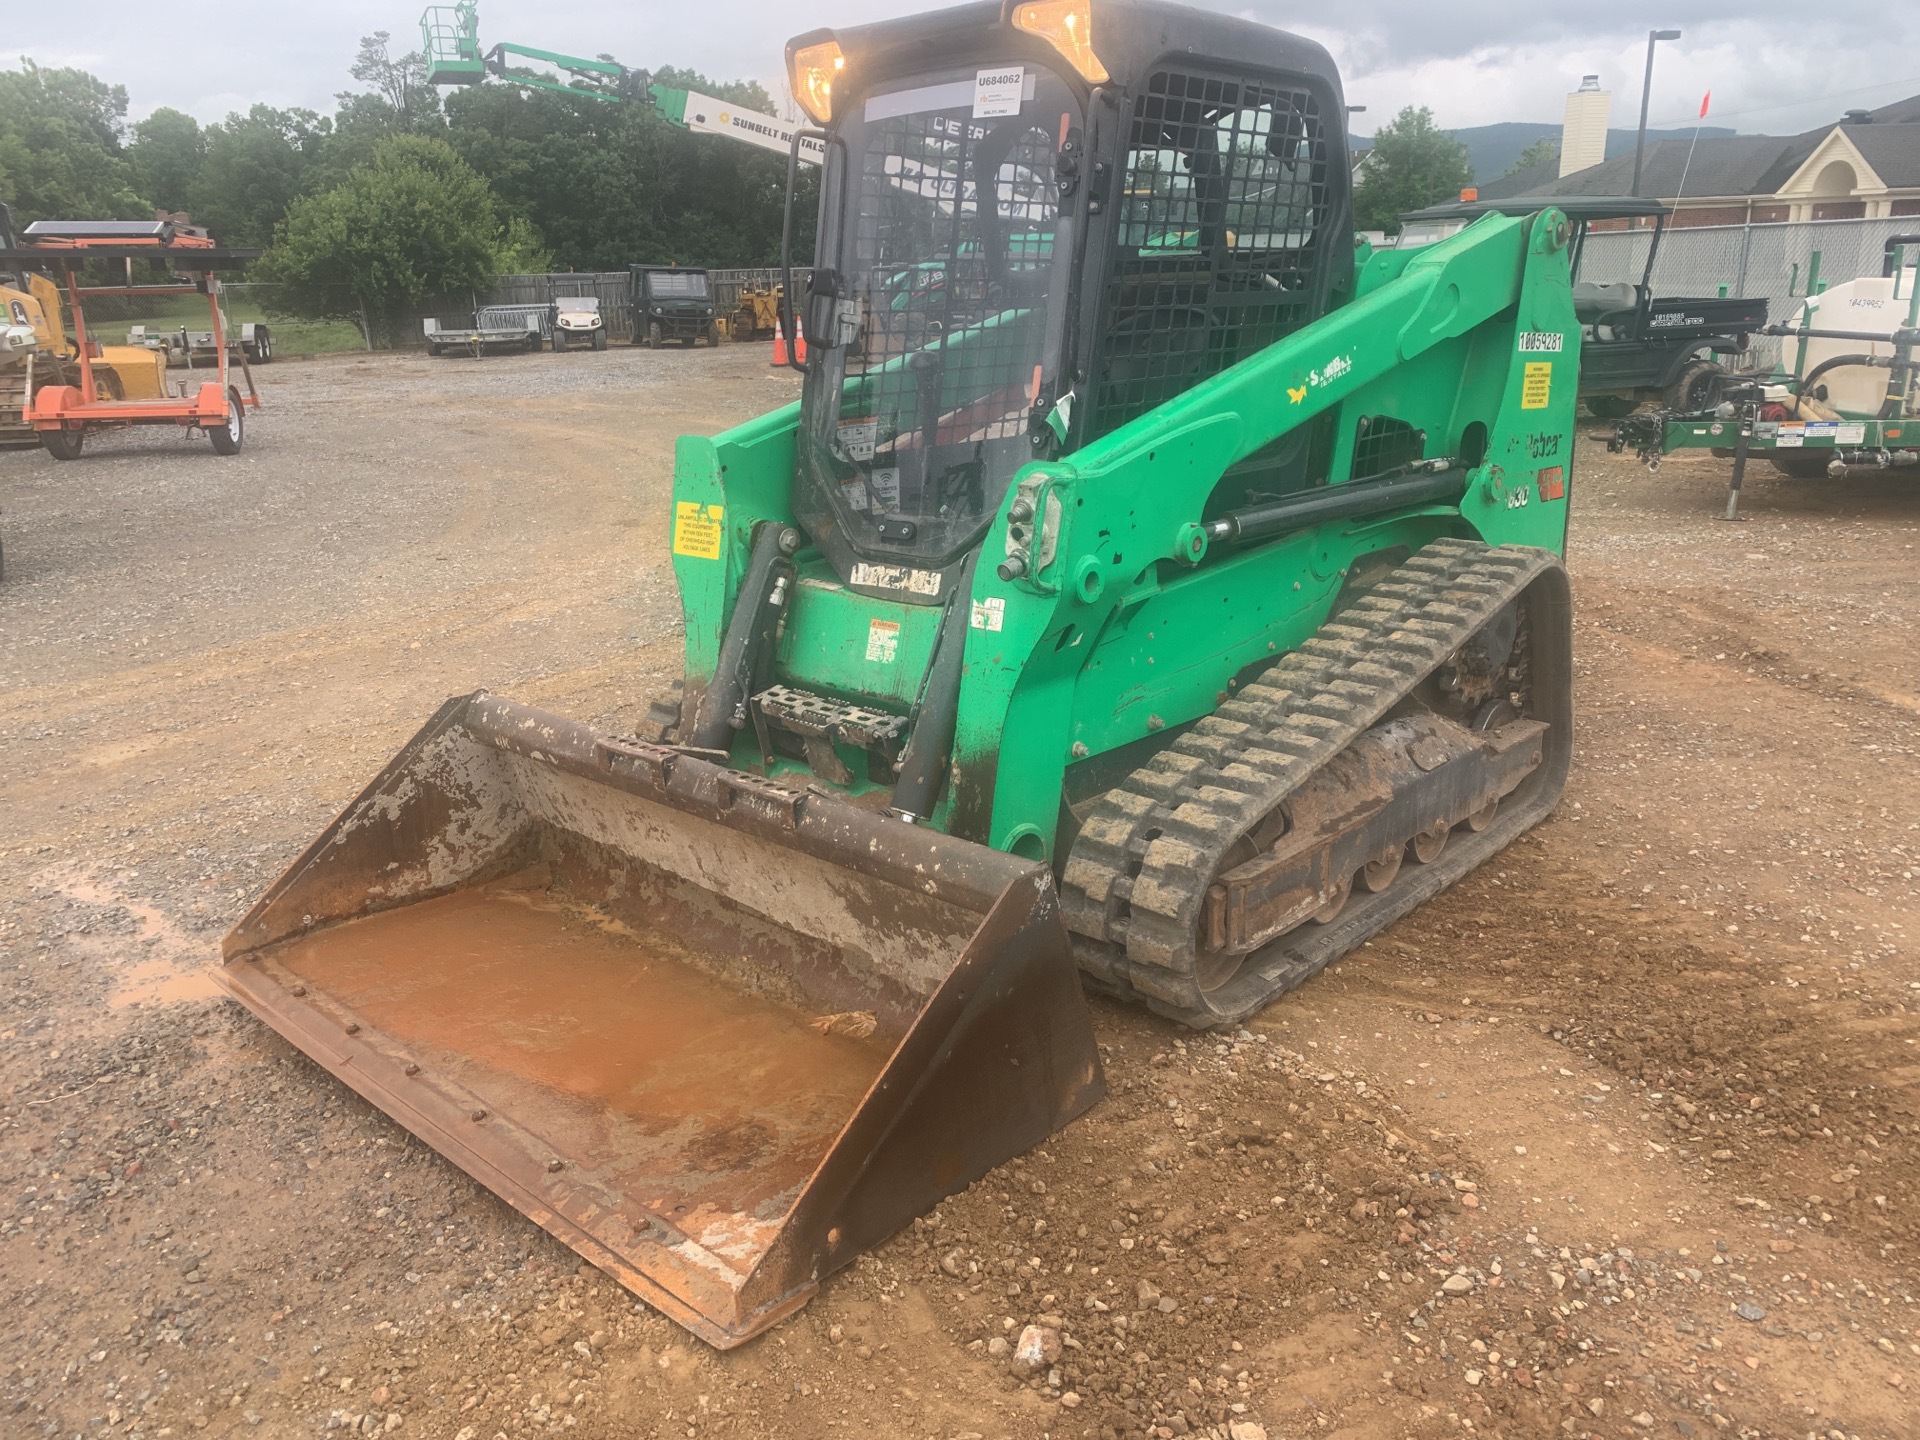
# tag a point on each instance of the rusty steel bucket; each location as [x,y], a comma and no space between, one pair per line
[716,1033]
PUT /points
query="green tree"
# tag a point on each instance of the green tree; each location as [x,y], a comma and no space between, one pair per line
[255,165]
[359,126]
[1413,164]
[399,83]
[400,102]
[1541,152]
[167,152]
[60,147]
[747,94]
[414,224]
[594,185]
[612,184]
[520,250]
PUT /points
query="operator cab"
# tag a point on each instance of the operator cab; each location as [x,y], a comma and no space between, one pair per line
[1026,249]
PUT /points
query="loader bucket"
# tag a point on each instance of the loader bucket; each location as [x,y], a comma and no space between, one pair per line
[716,1033]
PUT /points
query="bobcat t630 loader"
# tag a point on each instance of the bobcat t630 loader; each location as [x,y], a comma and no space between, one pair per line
[1147,579]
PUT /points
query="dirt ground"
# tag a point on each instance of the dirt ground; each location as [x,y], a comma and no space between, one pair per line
[1616,1138]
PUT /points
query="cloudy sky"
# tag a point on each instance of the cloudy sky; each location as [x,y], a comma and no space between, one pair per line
[1472,61]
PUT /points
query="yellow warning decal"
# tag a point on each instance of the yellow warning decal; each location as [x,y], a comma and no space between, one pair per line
[1536,387]
[697,529]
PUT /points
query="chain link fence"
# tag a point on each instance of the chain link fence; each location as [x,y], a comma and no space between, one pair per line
[1776,261]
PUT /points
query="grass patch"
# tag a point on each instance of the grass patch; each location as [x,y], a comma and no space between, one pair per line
[111,319]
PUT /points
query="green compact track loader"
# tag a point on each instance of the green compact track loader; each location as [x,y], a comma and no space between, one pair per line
[1151,585]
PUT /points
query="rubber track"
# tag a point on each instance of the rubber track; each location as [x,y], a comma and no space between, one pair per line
[1138,873]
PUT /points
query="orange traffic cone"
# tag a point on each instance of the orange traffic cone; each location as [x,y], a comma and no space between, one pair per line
[780,346]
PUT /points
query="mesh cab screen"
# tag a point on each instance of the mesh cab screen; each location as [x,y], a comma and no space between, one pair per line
[1221,220]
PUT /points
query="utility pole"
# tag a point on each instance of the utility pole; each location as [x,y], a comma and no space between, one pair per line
[1646,90]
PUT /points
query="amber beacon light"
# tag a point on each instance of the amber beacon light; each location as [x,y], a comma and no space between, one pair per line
[1067,25]
[814,69]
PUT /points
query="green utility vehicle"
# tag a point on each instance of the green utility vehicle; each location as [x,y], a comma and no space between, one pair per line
[1636,345]
[672,302]
[1173,587]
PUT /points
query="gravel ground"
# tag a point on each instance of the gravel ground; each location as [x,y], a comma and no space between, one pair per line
[1616,1138]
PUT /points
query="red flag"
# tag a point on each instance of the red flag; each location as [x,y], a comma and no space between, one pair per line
[1703,104]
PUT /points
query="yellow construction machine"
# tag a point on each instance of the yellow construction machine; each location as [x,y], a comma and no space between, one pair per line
[33,343]
[36,351]
[758,314]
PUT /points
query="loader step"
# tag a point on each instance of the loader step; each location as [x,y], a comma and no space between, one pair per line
[807,713]
[819,723]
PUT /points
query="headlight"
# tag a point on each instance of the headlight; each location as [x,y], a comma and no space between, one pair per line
[811,70]
[1067,25]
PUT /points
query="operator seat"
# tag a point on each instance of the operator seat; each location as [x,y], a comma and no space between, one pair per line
[1605,312]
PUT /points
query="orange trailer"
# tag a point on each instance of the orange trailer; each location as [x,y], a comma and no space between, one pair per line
[64,415]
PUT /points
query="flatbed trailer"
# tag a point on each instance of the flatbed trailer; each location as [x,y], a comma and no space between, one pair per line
[192,347]
[507,334]
[64,415]
[1832,447]
[1751,422]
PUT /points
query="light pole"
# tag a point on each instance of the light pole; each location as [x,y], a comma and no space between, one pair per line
[1654,37]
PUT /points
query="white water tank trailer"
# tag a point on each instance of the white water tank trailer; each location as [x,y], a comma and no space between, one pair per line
[1872,305]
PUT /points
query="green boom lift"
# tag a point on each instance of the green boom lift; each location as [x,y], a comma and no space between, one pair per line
[1148,577]
[450,40]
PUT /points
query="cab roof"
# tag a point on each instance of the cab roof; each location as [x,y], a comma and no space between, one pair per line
[1131,37]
